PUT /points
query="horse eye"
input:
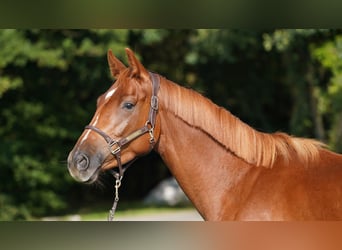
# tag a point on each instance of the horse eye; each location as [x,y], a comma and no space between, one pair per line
[128,105]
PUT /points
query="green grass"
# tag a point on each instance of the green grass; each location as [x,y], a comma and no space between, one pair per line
[100,211]
[127,209]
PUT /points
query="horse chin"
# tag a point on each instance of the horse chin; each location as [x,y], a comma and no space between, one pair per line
[93,178]
[86,177]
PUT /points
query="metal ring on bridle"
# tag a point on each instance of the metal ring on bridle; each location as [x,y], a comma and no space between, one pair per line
[150,127]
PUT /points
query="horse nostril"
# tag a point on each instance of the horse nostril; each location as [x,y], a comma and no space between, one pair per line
[82,161]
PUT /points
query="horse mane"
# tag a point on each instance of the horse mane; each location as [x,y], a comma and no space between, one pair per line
[254,147]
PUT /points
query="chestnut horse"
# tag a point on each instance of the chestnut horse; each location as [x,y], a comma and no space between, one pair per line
[227,169]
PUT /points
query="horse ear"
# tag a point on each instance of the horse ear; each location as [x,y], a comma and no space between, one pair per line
[138,70]
[115,65]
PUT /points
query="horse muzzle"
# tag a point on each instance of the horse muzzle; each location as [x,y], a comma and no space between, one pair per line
[84,167]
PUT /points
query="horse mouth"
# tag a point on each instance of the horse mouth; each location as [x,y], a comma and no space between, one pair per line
[93,178]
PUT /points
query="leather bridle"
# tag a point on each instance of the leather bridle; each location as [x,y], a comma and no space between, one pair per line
[115,146]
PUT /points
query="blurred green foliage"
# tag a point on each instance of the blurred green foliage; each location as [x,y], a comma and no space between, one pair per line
[288,80]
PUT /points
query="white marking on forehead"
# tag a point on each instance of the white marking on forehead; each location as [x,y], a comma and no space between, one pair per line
[110,93]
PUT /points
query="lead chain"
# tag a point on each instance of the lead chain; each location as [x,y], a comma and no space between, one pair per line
[116,198]
[117,185]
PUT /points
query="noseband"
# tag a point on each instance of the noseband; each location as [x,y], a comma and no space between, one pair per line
[115,146]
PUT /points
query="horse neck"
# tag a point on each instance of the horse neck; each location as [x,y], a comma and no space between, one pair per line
[213,178]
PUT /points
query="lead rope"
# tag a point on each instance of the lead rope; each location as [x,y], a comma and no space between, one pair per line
[116,197]
[119,175]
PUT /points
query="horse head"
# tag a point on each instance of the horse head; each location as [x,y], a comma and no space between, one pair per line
[123,126]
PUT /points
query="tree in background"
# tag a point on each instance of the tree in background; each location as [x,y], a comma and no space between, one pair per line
[286,80]
[48,83]
[329,55]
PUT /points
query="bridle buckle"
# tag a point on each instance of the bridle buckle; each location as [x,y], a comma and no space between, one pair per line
[154,102]
[116,150]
